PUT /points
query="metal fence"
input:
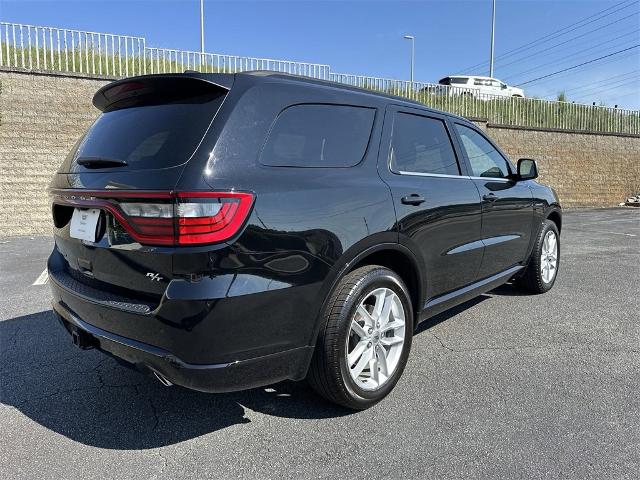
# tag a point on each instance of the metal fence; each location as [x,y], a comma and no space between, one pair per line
[166,60]
[63,50]
[103,54]
[503,110]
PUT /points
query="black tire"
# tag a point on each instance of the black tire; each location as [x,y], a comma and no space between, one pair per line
[329,373]
[532,279]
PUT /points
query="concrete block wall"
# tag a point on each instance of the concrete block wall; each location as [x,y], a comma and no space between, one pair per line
[586,170]
[42,116]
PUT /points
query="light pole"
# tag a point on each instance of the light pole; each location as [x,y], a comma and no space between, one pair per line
[201,26]
[493,28]
[413,52]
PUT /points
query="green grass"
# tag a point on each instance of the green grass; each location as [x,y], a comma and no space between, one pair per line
[503,111]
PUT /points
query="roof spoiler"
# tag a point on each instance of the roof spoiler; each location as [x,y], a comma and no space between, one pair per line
[133,90]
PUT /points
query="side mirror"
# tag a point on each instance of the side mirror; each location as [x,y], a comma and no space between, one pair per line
[527,169]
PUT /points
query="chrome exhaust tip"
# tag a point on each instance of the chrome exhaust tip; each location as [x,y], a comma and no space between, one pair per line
[162,379]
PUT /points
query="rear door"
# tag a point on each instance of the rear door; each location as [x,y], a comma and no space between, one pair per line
[507,205]
[437,207]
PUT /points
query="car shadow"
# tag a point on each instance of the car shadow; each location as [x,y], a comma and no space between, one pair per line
[452,312]
[91,398]
[509,290]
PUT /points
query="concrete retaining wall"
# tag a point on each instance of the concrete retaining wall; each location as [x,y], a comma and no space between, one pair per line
[42,115]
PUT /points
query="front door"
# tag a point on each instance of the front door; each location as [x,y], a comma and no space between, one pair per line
[507,205]
[437,207]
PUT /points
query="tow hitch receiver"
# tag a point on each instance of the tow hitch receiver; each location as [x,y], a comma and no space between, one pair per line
[82,339]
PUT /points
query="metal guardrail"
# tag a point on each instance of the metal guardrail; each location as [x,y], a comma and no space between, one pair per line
[166,60]
[63,50]
[504,110]
[33,47]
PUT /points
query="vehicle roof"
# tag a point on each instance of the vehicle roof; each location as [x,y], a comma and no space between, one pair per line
[470,76]
[267,75]
[226,81]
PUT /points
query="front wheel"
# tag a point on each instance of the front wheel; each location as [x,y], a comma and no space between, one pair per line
[364,340]
[541,272]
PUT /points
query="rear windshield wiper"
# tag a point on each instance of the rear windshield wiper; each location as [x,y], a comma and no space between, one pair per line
[99,162]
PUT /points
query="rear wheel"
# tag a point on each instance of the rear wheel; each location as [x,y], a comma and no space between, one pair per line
[542,269]
[365,338]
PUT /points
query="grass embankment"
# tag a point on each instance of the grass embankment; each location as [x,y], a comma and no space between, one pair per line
[503,111]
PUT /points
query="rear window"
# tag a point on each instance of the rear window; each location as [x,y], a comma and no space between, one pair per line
[454,81]
[150,136]
[319,136]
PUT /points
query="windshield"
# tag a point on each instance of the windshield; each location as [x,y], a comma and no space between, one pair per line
[151,136]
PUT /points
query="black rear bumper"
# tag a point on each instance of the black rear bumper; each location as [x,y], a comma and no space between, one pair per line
[219,377]
[209,335]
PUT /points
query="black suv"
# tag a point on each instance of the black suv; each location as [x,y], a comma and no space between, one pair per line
[223,232]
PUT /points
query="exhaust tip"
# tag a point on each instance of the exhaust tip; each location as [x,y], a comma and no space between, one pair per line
[161,378]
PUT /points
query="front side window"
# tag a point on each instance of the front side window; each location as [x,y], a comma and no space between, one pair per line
[421,145]
[319,136]
[484,159]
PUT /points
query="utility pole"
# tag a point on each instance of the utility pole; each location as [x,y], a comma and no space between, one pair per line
[201,26]
[493,29]
[413,52]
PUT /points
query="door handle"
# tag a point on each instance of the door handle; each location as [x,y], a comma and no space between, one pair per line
[490,197]
[413,199]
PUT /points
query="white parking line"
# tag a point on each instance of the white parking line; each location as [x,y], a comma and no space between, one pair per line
[42,279]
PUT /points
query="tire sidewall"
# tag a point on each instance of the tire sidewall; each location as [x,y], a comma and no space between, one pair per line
[379,278]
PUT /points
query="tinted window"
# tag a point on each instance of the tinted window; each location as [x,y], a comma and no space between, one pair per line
[319,136]
[485,160]
[152,136]
[421,145]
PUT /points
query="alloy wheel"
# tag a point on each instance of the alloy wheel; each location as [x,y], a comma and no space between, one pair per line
[376,339]
[549,257]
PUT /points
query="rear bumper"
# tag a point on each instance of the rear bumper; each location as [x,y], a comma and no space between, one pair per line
[198,335]
[217,377]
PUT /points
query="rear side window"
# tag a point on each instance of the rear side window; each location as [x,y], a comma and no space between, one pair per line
[150,136]
[421,145]
[319,136]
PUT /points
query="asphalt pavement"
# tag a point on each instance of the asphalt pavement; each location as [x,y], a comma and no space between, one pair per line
[505,386]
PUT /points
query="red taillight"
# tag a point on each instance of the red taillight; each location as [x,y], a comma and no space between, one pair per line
[210,217]
[179,218]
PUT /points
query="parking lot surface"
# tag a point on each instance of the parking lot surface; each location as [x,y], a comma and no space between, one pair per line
[505,386]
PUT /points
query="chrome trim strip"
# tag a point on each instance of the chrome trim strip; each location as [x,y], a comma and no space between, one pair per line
[499,239]
[485,242]
[466,247]
[440,175]
[492,179]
